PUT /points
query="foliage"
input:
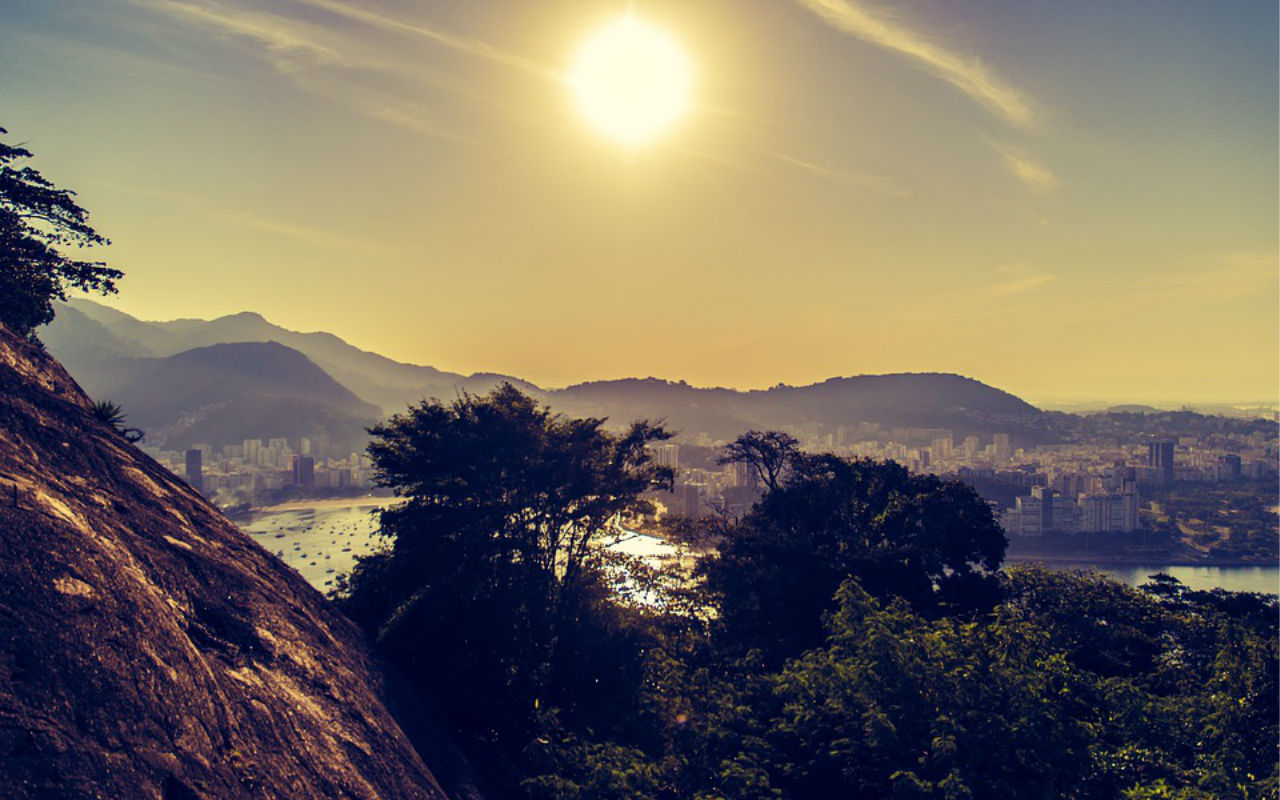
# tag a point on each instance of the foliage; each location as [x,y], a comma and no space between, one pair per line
[495,582]
[1230,520]
[112,413]
[769,455]
[852,637]
[934,543]
[36,220]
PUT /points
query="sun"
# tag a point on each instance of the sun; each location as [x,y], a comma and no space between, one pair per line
[631,81]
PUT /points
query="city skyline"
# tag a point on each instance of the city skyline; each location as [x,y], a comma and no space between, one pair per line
[1060,202]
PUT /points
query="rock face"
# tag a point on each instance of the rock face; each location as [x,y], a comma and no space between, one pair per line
[148,648]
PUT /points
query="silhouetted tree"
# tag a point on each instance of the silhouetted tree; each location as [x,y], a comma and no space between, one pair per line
[769,454]
[933,543]
[495,585]
[36,220]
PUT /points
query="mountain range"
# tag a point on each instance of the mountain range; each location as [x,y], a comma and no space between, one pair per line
[240,376]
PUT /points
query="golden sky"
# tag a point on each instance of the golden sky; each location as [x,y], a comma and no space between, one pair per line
[1064,200]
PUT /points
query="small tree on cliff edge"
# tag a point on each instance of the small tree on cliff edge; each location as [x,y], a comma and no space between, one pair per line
[36,220]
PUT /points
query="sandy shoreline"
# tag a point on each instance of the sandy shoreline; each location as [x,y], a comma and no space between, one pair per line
[327,504]
[1105,562]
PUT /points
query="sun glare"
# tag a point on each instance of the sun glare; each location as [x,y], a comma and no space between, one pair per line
[631,81]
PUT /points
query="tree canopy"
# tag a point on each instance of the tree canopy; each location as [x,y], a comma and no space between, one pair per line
[853,635]
[37,221]
[497,562]
[933,543]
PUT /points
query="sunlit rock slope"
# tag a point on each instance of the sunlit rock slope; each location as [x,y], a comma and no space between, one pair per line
[149,649]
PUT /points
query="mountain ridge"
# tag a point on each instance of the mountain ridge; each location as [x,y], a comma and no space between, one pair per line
[905,400]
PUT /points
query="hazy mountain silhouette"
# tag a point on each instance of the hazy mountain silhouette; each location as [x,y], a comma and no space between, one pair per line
[224,393]
[904,401]
[151,649]
[389,384]
[87,346]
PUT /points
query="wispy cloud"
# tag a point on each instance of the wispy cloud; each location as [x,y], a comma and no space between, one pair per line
[87,55]
[1008,281]
[287,40]
[1228,276]
[326,63]
[1025,168]
[968,74]
[875,183]
[414,117]
[302,234]
[463,44]
[1014,286]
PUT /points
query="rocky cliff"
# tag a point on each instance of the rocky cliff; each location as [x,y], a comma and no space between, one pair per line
[149,649]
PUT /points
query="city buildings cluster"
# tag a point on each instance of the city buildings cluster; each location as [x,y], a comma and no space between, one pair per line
[256,469]
[1070,488]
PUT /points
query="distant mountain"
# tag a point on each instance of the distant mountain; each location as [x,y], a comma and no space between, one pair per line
[87,346]
[389,384]
[224,393]
[911,404]
[1131,408]
[91,339]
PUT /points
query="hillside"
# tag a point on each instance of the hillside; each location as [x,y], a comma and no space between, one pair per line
[390,385]
[222,394]
[902,402]
[149,648]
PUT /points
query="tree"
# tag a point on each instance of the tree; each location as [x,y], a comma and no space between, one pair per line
[37,220]
[494,594]
[768,454]
[930,542]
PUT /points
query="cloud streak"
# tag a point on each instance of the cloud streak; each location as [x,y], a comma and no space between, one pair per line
[462,44]
[967,74]
[314,58]
[1015,286]
[1035,175]
[875,183]
[302,234]
[1226,277]
[285,39]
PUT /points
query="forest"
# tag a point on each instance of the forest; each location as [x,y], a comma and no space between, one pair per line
[854,634]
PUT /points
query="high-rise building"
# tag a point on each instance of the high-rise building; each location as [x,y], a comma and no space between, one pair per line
[691,500]
[1160,456]
[304,472]
[195,469]
[942,447]
[667,455]
[1031,516]
[1046,497]
[1129,507]
[1001,443]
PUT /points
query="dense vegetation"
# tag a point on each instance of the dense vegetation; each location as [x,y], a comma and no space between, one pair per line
[37,221]
[1128,426]
[1230,520]
[850,636]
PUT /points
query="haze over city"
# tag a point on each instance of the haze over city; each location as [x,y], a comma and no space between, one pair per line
[1062,200]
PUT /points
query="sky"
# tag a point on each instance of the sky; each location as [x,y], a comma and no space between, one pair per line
[1065,200]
